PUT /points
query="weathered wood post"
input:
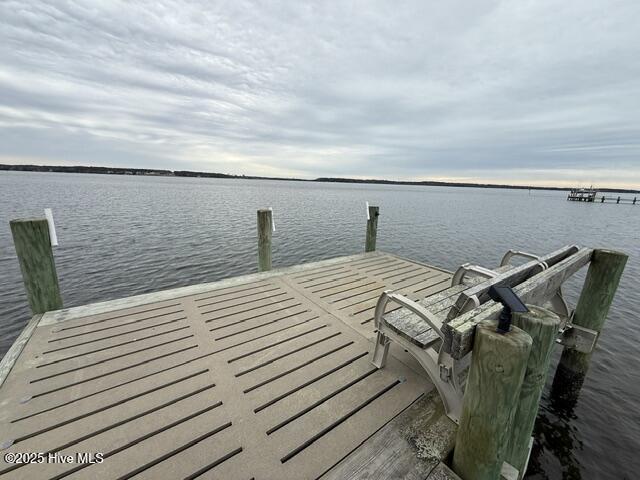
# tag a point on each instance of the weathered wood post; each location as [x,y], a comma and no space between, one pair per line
[265,226]
[498,365]
[372,229]
[33,246]
[542,326]
[599,288]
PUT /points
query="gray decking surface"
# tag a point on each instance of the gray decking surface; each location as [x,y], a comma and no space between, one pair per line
[265,376]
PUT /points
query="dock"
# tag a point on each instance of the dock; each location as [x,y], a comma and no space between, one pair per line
[356,367]
[260,376]
[590,195]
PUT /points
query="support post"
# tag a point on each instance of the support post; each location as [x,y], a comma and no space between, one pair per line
[498,365]
[265,226]
[33,246]
[372,229]
[599,288]
[542,326]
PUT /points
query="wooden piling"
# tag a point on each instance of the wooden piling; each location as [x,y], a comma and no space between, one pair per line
[599,288]
[372,229]
[542,326]
[265,227]
[33,246]
[498,366]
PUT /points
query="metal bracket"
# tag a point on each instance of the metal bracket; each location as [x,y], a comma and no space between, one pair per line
[578,338]
[509,472]
[445,373]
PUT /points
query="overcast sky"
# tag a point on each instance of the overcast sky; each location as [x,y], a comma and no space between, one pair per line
[536,92]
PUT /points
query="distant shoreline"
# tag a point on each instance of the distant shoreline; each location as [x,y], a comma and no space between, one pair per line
[187,173]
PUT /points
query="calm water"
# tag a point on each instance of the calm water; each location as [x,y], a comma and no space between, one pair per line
[122,236]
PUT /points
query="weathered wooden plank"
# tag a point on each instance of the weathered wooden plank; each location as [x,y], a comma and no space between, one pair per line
[443,472]
[511,277]
[437,302]
[12,355]
[410,328]
[458,333]
[408,447]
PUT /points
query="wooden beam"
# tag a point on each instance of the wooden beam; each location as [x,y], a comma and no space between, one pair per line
[591,312]
[542,326]
[510,278]
[491,396]
[372,229]
[33,246]
[409,447]
[458,333]
[14,352]
[265,227]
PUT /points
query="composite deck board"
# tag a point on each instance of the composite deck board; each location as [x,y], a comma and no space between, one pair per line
[265,376]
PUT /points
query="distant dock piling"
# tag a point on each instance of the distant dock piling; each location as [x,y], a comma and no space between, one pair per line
[33,247]
[372,229]
[265,229]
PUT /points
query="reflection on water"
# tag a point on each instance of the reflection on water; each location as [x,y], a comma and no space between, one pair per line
[554,431]
[122,236]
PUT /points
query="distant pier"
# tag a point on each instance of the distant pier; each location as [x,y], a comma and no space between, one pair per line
[590,195]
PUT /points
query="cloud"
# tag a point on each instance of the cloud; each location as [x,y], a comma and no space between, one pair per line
[542,92]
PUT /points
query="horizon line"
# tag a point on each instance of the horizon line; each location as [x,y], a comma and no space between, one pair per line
[100,170]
